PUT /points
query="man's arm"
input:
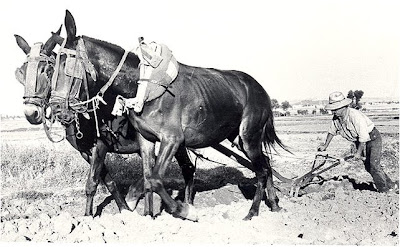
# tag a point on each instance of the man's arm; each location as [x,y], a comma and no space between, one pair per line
[327,142]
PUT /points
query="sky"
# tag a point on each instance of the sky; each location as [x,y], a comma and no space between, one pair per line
[303,49]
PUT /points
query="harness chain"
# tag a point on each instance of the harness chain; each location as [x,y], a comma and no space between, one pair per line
[78,134]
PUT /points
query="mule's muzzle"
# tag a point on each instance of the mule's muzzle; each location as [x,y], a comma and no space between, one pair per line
[33,113]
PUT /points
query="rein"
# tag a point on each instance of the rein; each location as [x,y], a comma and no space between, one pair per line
[47,128]
[111,80]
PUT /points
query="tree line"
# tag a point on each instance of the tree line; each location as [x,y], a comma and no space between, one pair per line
[355,95]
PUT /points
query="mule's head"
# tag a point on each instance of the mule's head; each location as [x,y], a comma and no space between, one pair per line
[85,66]
[35,74]
[68,76]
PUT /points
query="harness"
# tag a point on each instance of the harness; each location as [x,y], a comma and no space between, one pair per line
[65,96]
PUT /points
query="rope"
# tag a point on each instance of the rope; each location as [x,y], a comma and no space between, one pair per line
[298,158]
[47,128]
[95,98]
[95,103]
[198,155]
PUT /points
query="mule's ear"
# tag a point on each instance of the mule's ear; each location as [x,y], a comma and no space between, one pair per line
[59,30]
[22,44]
[57,38]
[52,42]
[70,26]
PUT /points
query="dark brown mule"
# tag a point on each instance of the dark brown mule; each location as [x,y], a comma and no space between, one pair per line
[204,107]
[116,134]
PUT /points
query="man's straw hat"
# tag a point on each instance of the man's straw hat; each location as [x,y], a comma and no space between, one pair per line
[337,100]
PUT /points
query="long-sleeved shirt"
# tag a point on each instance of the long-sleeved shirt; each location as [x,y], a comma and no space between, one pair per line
[355,126]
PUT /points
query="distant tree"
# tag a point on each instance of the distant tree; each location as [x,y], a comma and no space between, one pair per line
[350,94]
[323,111]
[285,105]
[358,94]
[274,104]
[356,97]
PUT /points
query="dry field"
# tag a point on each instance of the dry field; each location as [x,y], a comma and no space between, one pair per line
[42,194]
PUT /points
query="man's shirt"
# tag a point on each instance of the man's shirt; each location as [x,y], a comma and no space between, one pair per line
[355,126]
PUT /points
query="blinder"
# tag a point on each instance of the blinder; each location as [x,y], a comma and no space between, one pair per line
[36,83]
[74,68]
[32,70]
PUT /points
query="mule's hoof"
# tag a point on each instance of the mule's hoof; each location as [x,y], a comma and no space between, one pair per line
[124,207]
[88,214]
[277,209]
[189,212]
[132,204]
[249,216]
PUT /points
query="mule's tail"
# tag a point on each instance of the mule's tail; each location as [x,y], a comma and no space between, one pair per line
[269,135]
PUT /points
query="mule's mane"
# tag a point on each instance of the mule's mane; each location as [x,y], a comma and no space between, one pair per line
[132,57]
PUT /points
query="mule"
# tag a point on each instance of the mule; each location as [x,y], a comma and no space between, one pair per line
[203,107]
[116,133]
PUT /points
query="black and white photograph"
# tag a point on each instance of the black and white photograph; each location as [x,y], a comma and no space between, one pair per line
[199,123]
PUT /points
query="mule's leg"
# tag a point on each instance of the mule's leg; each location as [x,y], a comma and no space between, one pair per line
[96,161]
[168,148]
[113,189]
[272,199]
[148,159]
[89,198]
[251,151]
[188,170]
[251,135]
[137,190]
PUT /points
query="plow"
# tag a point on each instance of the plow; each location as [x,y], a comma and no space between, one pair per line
[289,186]
[320,164]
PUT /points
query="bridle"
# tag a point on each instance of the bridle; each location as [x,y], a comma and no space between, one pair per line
[64,97]
[33,93]
[36,91]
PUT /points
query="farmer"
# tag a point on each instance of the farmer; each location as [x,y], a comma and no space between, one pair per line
[354,126]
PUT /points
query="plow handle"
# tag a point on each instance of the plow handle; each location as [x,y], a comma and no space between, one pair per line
[306,178]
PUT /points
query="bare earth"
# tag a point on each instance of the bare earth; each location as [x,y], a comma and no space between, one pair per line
[343,209]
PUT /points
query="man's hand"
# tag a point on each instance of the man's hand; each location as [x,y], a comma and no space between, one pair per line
[321,148]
